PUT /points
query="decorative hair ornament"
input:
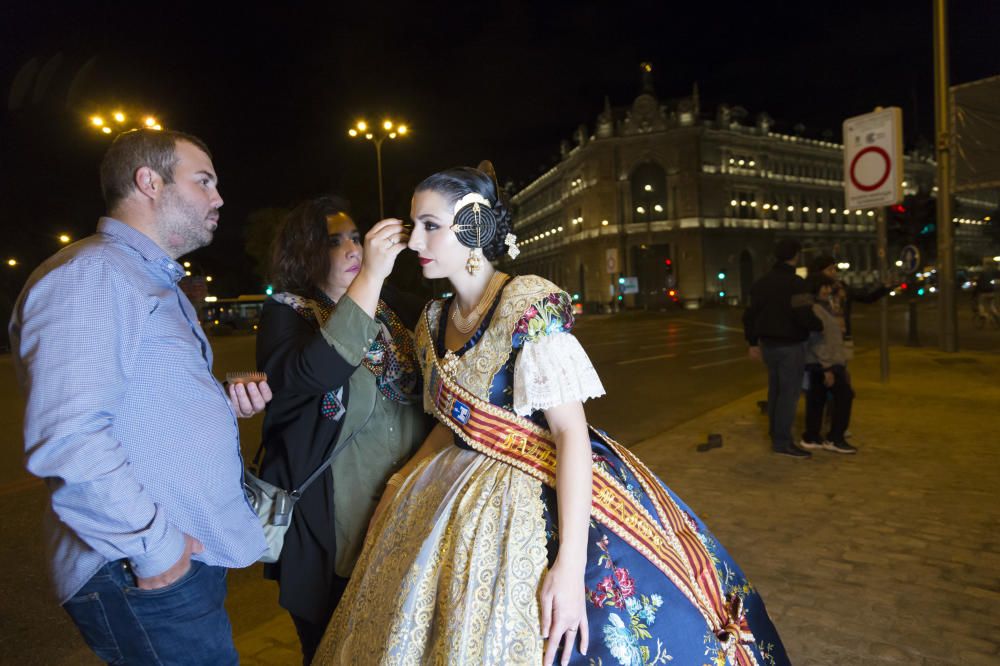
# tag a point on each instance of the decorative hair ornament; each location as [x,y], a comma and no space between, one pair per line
[511,242]
[475,225]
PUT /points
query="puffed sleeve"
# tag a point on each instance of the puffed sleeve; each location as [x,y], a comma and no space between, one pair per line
[551,368]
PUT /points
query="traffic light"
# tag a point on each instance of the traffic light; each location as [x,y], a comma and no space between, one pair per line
[269,290]
[914,222]
[722,275]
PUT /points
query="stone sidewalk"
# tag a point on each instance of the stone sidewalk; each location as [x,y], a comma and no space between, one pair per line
[891,556]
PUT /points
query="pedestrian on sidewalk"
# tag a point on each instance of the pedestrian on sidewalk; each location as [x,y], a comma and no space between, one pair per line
[776,325]
[826,371]
[335,341]
[843,295]
[136,439]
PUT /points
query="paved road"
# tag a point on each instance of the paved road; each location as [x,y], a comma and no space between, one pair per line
[660,370]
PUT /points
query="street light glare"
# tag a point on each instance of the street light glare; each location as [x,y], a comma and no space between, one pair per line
[149,121]
[392,135]
[106,130]
[12,262]
[352,132]
[157,126]
[362,126]
[403,129]
[387,125]
[64,238]
[96,121]
[369,136]
[119,116]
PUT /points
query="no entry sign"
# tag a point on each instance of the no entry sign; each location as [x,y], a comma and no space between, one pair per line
[873,159]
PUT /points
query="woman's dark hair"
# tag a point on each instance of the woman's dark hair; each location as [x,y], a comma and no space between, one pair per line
[817,281]
[300,257]
[821,263]
[455,183]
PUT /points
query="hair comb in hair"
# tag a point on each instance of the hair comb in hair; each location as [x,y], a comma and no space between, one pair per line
[487,167]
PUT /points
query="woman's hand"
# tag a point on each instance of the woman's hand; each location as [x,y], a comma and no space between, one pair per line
[383,243]
[564,611]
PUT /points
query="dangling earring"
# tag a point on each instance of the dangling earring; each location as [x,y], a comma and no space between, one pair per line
[475,261]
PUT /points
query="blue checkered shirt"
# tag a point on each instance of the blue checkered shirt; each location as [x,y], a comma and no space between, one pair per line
[124,420]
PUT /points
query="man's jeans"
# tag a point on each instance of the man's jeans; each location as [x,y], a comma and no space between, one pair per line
[785,367]
[183,623]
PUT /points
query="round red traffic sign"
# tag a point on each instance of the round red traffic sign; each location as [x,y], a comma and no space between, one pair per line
[869,187]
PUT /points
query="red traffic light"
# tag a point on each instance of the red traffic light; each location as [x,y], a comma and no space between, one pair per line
[898,208]
[668,262]
[903,286]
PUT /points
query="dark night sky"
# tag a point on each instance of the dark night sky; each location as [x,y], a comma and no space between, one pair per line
[273,89]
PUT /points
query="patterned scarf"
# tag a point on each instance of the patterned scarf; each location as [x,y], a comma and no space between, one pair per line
[391,357]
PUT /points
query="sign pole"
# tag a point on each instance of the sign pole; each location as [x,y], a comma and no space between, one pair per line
[945,226]
[883,310]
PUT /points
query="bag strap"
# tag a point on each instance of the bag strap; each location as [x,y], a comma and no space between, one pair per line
[295,494]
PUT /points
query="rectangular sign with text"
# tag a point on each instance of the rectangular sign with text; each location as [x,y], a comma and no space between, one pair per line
[873,159]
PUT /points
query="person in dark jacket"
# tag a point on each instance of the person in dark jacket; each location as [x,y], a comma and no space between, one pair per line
[336,345]
[843,295]
[776,325]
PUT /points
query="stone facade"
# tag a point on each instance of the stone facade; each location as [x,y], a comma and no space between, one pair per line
[692,205]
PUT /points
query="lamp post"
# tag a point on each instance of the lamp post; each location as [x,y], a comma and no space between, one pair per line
[387,130]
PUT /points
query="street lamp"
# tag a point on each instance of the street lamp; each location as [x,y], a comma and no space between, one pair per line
[12,262]
[387,130]
[64,238]
[124,120]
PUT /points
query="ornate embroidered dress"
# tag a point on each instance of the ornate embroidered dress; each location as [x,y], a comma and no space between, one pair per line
[451,572]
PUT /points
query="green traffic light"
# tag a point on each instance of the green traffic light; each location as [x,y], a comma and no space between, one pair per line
[269,290]
[722,276]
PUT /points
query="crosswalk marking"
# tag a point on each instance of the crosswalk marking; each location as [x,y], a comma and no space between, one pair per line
[725,328]
[712,349]
[646,358]
[722,362]
[670,342]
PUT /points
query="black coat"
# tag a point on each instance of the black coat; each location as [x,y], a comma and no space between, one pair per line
[780,310]
[301,368]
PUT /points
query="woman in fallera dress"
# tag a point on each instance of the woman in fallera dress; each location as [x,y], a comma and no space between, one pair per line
[517,534]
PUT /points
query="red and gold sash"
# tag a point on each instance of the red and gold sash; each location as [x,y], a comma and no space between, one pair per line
[670,544]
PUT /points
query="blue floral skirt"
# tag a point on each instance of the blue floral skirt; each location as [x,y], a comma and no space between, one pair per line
[636,615]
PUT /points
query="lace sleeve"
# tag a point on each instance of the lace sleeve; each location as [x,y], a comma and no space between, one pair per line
[553,370]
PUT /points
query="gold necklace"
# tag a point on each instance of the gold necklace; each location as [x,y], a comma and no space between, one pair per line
[465,324]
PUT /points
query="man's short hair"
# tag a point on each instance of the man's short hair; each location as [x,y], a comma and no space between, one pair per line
[786,249]
[132,150]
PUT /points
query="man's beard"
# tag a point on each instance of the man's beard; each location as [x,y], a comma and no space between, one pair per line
[182,227]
